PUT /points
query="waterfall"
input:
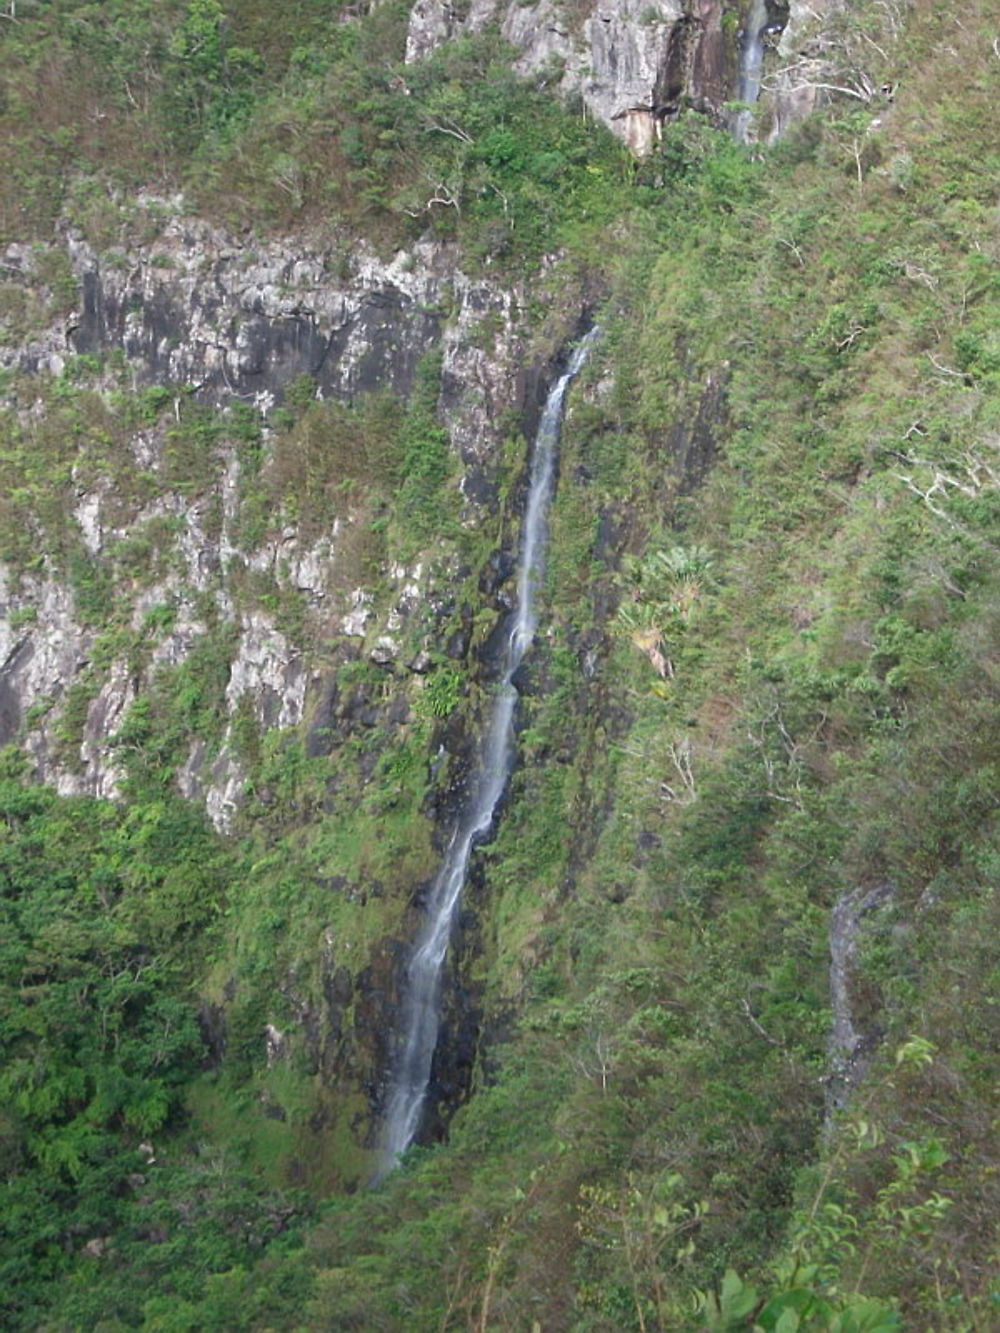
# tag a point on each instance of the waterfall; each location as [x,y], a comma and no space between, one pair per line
[751,65]
[420,1009]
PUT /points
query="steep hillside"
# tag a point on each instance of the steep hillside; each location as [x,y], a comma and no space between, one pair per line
[284,293]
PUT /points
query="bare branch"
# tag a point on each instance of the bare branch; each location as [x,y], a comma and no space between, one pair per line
[451,128]
[748,1013]
[943,370]
[790,245]
[864,36]
[680,755]
[443,194]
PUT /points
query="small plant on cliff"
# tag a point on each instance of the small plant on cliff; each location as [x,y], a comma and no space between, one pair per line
[442,693]
[664,590]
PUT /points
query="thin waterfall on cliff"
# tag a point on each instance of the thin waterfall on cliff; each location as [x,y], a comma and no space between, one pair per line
[751,65]
[419,1017]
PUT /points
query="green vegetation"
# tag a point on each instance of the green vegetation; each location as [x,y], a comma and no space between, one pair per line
[100,1039]
[767,682]
[279,123]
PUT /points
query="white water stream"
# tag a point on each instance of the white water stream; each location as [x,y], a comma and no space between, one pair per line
[751,65]
[421,999]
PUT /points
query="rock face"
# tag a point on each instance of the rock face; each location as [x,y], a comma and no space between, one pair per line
[636,63]
[45,658]
[632,62]
[197,308]
[853,1034]
[802,65]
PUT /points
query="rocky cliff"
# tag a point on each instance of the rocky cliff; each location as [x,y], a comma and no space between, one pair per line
[234,321]
[225,322]
[636,66]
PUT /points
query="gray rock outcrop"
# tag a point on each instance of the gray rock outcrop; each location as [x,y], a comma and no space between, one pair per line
[613,55]
[636,63]
[198,308]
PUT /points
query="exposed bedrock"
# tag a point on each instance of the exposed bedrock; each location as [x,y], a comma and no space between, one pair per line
[636,64]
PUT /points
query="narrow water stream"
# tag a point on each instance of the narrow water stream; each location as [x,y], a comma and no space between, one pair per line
[420,1010]
[751,65]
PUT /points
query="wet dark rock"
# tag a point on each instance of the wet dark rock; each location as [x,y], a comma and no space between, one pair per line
[376,1001]
[455,1055]
[12,694]
[10,712]
[312,1025]
[322,729]
[460,640]
[442,608]
[526,679]
[692,440]
[334,884]
[645,844]
[355,708]
[457,644]
[698,66]
[338,986]
[492,648]
[495,573]
[610,538]
[320,1119]
[399,711]
[212,1025]
[420,894]
[480,484]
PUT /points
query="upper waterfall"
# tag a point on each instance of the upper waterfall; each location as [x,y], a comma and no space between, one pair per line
[751,65]
[420,1008]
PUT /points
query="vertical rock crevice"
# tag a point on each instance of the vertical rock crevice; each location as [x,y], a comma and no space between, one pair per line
[854,1034]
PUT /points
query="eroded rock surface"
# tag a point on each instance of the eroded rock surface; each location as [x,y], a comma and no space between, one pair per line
[613,55]
[854,1033]
[201,309]
[636,64]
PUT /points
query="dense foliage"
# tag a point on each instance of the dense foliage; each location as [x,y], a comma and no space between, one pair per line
[279,124]
[100,1037]
[768,689]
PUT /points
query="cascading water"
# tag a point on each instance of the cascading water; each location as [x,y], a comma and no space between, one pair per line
[420,1009]
[751,65]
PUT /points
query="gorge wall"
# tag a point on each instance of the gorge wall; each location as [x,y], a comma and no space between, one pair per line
[157,571]
[234,321]
[229,323]
[159,568]
[282,300]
